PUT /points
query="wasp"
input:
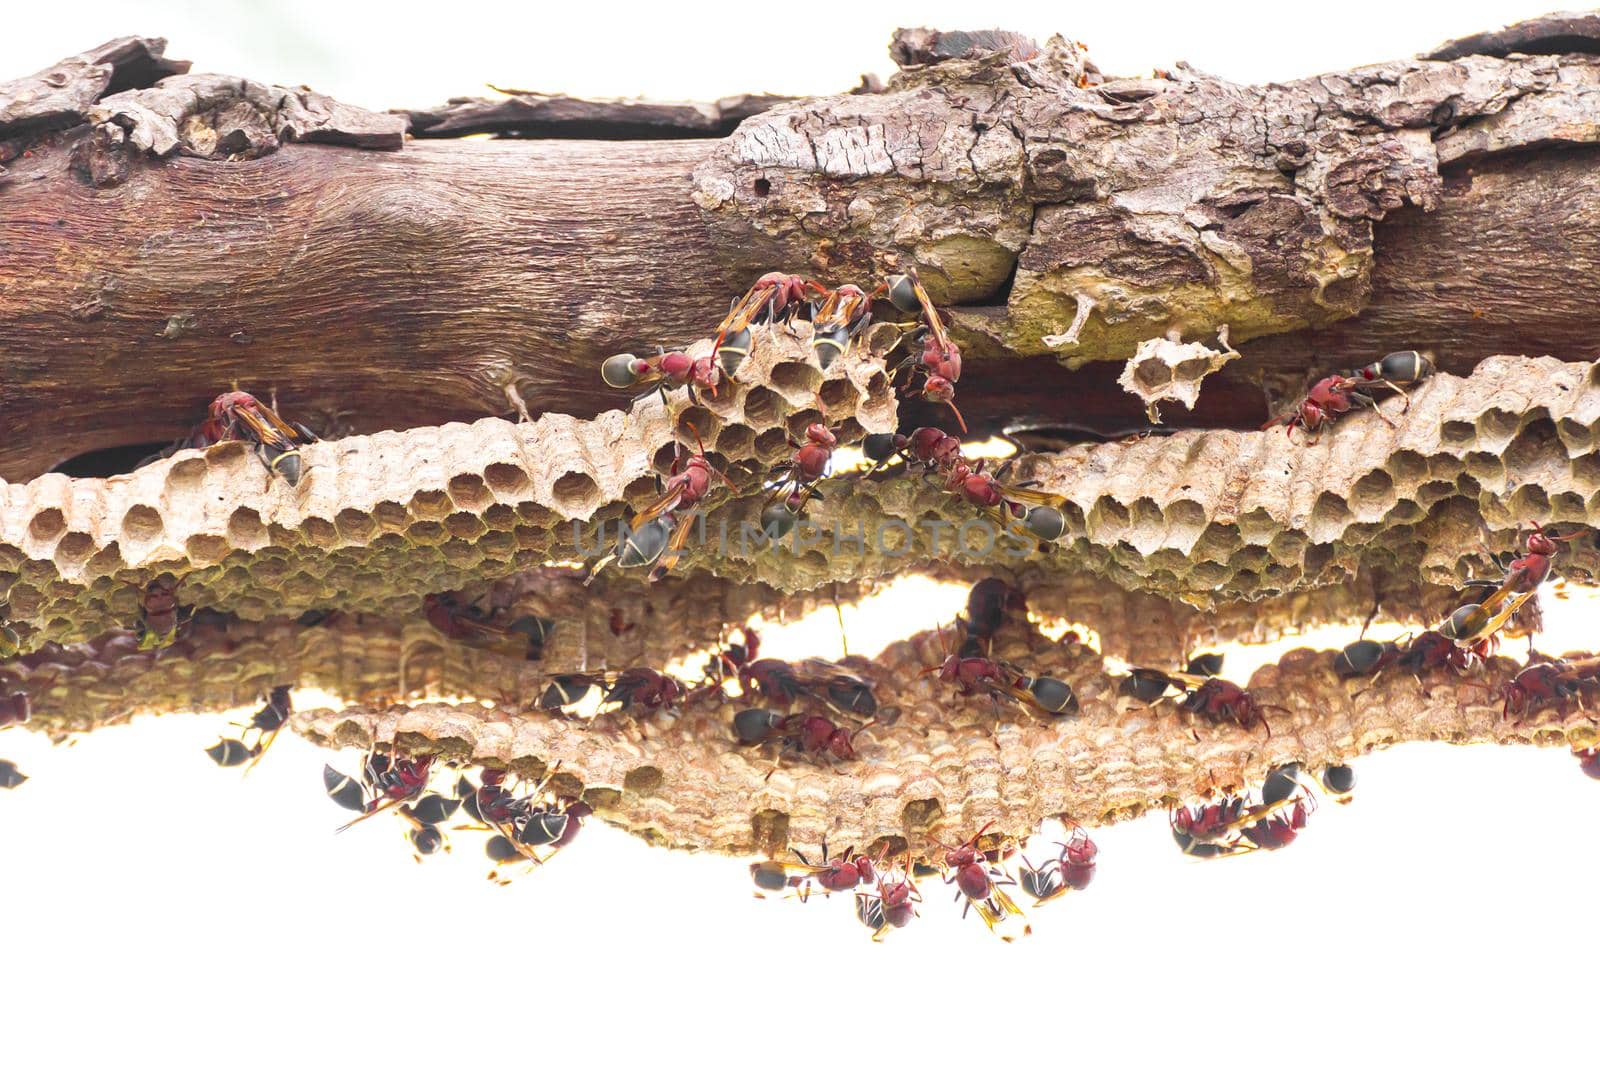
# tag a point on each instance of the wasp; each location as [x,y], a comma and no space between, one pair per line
[1475,624]
[939,361]
[892,906]
[1551,682]
[266,723]
[835,324]
[968,868]
[161,617]
[840,873]
[669,369]
[774,296]
[238,416]
[1072,869]
[657,534]
[523,638]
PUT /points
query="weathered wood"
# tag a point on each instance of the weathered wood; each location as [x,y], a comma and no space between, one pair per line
[415,286]
[60,94]
[528,114]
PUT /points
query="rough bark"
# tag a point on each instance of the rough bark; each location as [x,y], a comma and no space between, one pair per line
[1319,217]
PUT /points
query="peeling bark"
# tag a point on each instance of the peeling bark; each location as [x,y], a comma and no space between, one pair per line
[415,286]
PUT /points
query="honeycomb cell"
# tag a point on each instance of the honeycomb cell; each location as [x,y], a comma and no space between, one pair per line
[73,549]
[835,394]
[794,380]
[1372,494]
[470,492]
[762,408]
[464,525]
[430,504]
[205,550]
[320,532]
[246,530]
[141,526]
[576,493]
[47,525]
[506,479]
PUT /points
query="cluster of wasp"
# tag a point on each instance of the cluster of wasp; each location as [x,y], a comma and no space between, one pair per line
[1266,819]
[1471,633]
[931,366]
[886,895]
[527,821]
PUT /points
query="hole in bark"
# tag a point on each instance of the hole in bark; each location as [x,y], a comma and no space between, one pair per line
[104,462]
[761,187]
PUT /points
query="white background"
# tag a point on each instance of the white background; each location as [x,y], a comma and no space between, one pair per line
[153,908]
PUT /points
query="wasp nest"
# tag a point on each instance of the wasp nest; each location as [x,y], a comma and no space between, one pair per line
[948,762]
[380,520]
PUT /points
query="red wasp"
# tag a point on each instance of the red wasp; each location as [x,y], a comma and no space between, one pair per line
[267,723]
[10,776]
[637,691]
[1207,831]
[1330,398]
[841,873]
[809,464]
[979,882]
[1476,624]
[1431,650]
[15,708]
[774,295]
[974,674]
[1539,685]
[1588,761]
[238,416]
[424,817]
[1023,513]
[891,907]
[837,321]
[940,360]
[552,825]
[683,493]
[1218,700]
[670,369]
[1072,869]
[781,682]
[1279,830]
[385,782]
[160,615]
[522,638]
[642,691]
[811,735]
[931,449]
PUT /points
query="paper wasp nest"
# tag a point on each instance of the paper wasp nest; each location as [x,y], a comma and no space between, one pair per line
[380,520]
[1018,173]
[1205,516]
